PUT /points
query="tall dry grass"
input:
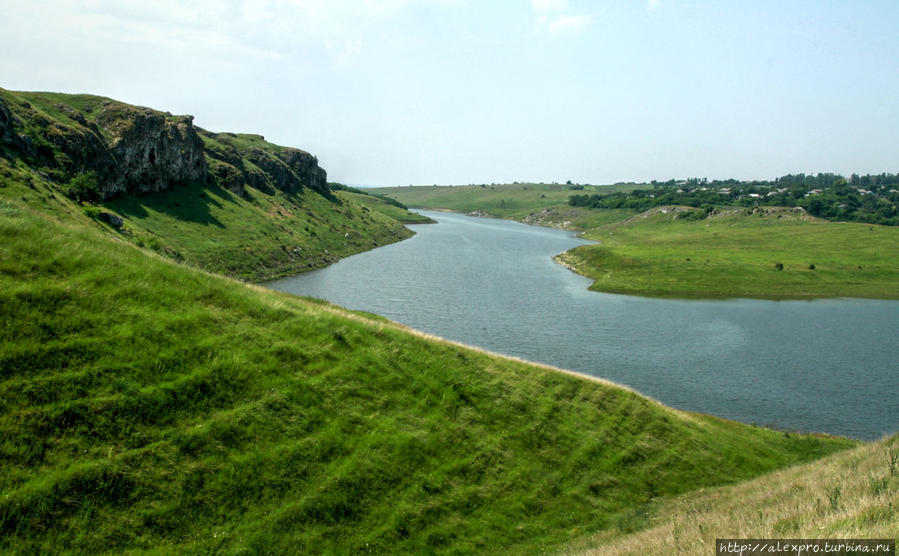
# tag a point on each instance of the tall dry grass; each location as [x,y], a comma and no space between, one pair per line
[851,494]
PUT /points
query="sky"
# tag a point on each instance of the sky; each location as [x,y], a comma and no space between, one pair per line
[400,92]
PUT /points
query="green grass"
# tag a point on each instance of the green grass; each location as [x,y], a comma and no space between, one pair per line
[576,218]
[256,237]
[373,203]
[244,141]
[58,110]
[512,201]
[150,406]
[737,255]
[49,103]
[849,495]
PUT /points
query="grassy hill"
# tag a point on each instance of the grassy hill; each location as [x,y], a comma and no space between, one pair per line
[258,236]
[243,207]
[150,406]
[774,253]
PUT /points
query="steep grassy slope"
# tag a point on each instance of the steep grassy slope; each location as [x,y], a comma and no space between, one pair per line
[146,405]
[850,495]
[230,203]
[778,255]
[258,236]
[372,202]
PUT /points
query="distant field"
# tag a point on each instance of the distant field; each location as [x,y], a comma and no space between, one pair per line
[514,201]
[738,255]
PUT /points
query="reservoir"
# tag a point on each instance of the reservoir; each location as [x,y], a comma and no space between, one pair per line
[829,365]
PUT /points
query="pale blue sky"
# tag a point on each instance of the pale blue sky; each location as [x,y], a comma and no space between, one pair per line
[452,91]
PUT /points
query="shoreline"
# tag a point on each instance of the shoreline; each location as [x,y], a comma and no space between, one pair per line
[688,295]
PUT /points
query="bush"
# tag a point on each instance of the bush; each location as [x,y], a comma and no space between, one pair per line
[83,187]
[691,215]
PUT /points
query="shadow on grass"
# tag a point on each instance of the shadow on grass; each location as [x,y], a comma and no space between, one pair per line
[190,202]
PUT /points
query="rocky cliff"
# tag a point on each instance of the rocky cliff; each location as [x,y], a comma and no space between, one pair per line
[152,151]
[136,150]
[237,160]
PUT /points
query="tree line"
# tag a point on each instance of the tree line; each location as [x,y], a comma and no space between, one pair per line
[871,198]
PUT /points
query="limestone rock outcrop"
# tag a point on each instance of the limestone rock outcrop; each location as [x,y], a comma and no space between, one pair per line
[152,152]
[234,165]
[136,150]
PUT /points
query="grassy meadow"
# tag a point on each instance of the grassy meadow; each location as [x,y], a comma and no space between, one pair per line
[260,236]
[776,255]
[151,401]
[146,405]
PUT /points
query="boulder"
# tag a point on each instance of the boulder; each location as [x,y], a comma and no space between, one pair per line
[113,220]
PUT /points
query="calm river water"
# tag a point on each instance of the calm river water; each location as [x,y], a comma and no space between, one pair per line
[824,365]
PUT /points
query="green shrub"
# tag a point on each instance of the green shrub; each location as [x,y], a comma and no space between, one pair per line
[83,187]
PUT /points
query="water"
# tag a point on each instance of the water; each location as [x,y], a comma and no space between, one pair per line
[816,366]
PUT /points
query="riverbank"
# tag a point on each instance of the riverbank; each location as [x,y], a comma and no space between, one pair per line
[230,203]
[259,237]
[492,283]
[771,255]
[685,252]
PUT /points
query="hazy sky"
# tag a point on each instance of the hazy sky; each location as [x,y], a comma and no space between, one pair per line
[396,92]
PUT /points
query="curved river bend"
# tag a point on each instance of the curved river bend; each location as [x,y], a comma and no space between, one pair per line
[824,365]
